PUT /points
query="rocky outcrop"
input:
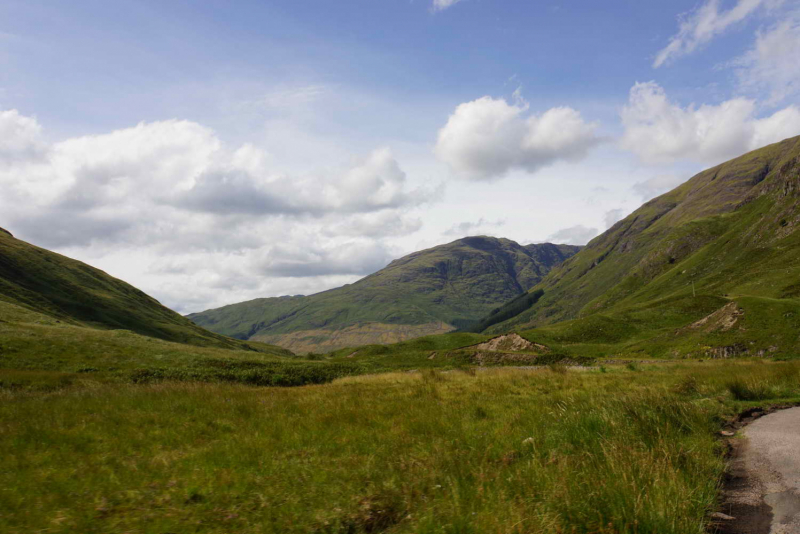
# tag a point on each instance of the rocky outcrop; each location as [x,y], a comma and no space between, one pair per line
[510,343]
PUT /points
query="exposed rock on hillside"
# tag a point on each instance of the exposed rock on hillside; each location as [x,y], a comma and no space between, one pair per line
[511,343]
[722,320]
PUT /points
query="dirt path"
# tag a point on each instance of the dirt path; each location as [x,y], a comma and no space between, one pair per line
[763,488]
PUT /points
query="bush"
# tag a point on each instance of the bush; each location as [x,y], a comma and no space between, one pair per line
[748,391]
[252,373]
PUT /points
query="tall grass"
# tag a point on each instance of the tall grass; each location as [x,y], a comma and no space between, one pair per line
[431,452]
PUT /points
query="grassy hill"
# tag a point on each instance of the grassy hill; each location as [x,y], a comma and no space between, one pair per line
[428,292]
[711,269]
[40,286]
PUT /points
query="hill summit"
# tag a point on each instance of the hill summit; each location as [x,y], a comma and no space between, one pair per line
[428,292]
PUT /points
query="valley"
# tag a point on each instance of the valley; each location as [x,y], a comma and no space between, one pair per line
[620,362]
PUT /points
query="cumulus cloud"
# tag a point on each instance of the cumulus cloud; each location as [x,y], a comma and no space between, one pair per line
[705,23]
[574,235]
[486,138]
[157,180]
[656,186]
[658,130]
[771,65]
[374,183]
[466,228]
[20,137]
[439,5]
[173,190]
[383,223]
[355,257]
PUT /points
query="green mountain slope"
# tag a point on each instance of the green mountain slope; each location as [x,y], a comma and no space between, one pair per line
[427,292]
[33,279]
[722,251]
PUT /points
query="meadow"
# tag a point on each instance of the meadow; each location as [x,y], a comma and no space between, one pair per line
[614,449]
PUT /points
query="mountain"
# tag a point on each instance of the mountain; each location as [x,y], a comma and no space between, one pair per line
[711,267]
[33,279]
[427,292]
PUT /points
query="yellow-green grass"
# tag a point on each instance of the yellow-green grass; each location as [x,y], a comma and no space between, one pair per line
[497,451]
[38,352]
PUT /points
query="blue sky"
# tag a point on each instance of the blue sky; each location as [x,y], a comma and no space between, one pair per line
[215,151]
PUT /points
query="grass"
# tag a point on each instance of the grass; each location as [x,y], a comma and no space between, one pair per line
[42,353]
[552,450]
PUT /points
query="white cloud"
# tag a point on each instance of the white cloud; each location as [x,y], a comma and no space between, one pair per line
[20,137]
[706,23]
[172,190]
[304,260]
[574,235]
[479,227]
[486,138]
[656,186]
[658,130]
[772,65]
[612,216]
[383,223]
[162,181]
[370,184]
[439,5]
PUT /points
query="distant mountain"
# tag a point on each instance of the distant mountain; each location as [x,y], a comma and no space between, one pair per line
[711,267]
[427,292]
[35,279]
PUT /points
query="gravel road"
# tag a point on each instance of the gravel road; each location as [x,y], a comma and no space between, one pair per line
[763,493]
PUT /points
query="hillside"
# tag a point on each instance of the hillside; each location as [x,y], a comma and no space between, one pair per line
[710,268]
[428,292]
[52,288]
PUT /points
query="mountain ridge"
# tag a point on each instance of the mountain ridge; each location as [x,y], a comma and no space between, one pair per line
[727,235]
[426,292]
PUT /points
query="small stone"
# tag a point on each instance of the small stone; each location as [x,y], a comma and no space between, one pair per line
[727,433]
[720,515]
[527,441]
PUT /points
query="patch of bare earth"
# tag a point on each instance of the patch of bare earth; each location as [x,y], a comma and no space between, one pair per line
[722,320]
[321,340]
[510,343]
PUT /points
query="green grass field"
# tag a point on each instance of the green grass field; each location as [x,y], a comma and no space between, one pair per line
[617,449]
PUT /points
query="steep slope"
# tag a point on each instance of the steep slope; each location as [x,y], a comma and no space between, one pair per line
[725,239]
[427,292]
[66,290]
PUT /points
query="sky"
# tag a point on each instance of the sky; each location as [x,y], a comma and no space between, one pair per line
[211,152]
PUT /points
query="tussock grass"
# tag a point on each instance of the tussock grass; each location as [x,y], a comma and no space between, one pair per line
[500,450]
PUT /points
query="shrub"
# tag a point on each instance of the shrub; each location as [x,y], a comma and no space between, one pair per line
[687,386]
[748,391]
